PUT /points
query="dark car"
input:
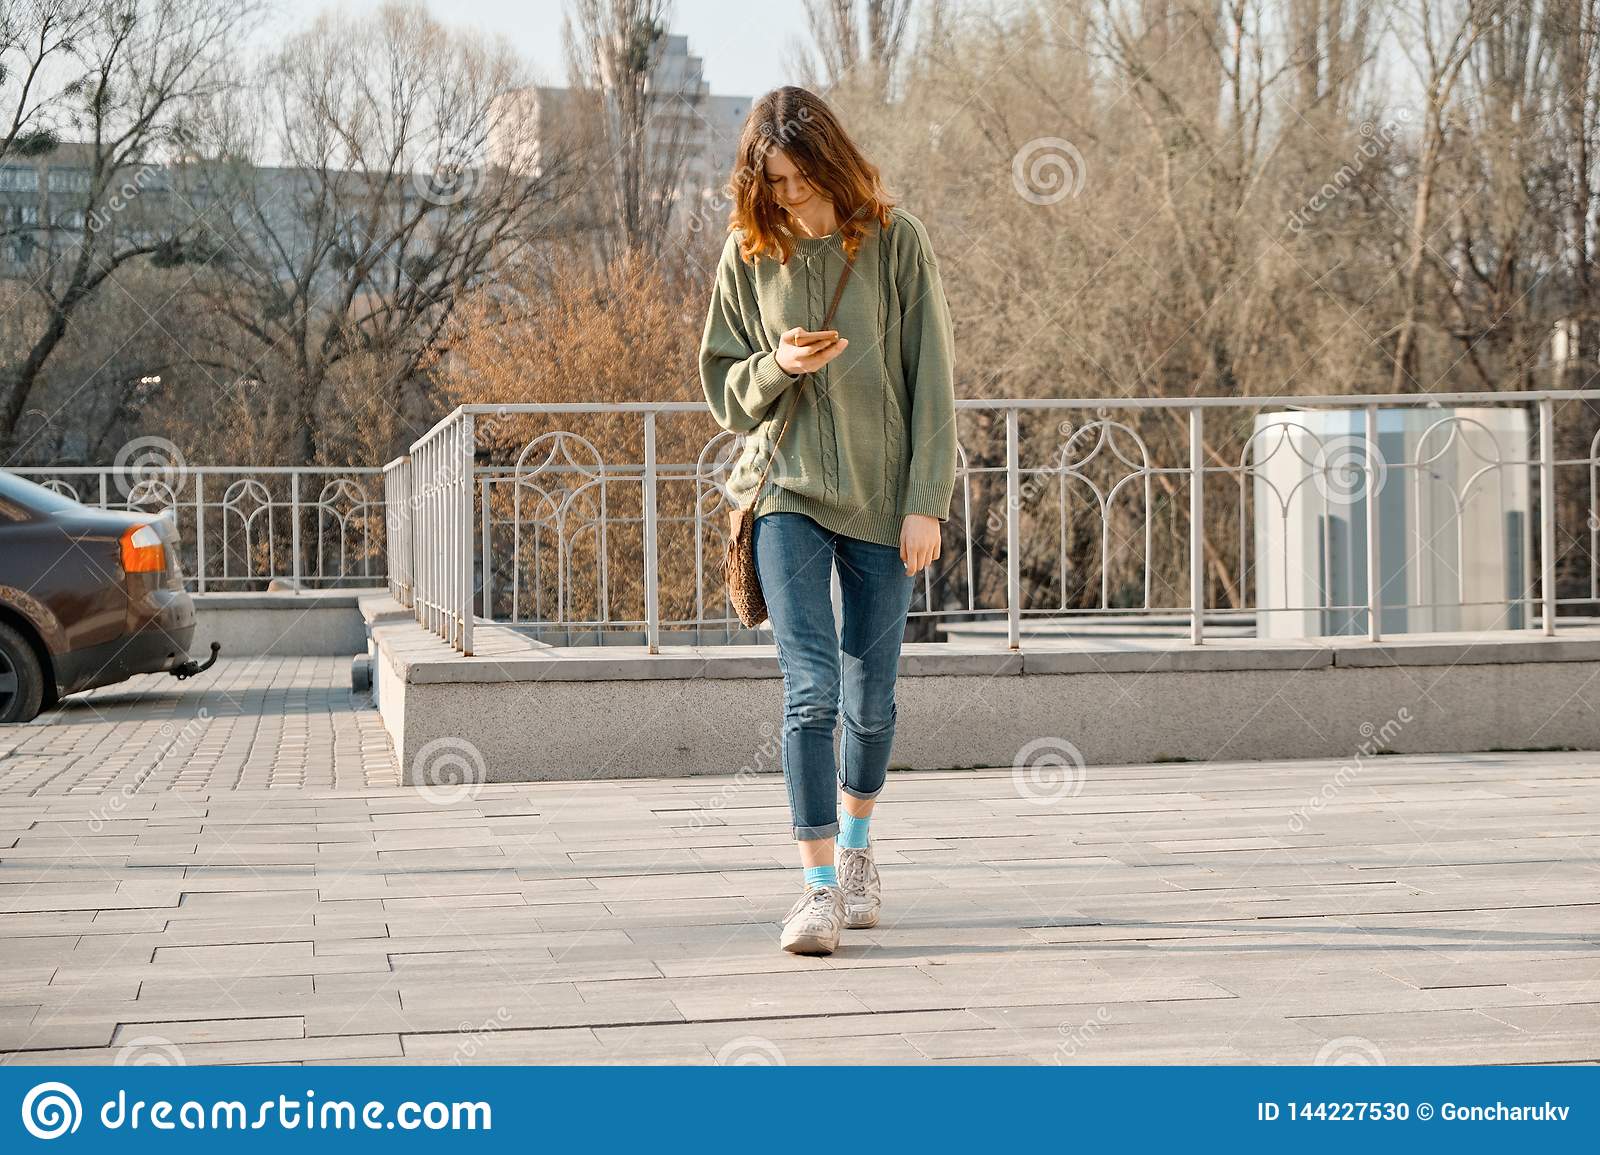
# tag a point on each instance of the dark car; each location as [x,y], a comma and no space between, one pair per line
[88,597]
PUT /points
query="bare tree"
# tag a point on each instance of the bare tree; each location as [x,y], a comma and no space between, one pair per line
[1332,45]
[1444,34]
[642,119]
[859,42]
[33,37]
[137,73]
[399,186]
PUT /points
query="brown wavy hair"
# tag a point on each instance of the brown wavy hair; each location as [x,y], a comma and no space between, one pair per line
[799,123]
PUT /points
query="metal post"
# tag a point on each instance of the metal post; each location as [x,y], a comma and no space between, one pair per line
[450,533]
[652,556]
[294,517]
[1013,536]
[1197,524]
[436,545]
[485,566]
[1374,601]
[1547,513]
[427,590]
[464,599]
[200,529]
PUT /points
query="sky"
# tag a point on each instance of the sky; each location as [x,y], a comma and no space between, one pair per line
[747,45]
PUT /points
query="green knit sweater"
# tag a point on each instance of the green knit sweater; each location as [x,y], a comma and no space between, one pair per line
[873,437]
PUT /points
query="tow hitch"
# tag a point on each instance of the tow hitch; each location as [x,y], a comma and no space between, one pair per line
[190,668]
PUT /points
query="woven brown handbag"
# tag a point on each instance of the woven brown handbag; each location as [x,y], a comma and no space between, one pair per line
[739,559]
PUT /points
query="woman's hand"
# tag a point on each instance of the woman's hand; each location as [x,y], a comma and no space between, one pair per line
[920,541]
[802,351]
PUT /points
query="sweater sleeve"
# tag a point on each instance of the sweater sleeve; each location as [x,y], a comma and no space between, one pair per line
[740,377]
[927,345]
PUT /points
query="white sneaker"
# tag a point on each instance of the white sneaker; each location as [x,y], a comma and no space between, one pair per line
[813,923]
[863,892]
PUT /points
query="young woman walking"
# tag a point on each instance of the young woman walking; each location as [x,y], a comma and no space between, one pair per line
[861,480]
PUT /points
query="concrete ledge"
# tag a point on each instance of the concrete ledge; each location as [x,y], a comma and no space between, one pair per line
[378,606]
[536,713]
[1487,649]
[311,623]
[1163,656]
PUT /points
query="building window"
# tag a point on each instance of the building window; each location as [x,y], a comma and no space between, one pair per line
[16,178]
[69,180]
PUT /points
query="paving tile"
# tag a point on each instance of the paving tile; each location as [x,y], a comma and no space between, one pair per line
[277,897]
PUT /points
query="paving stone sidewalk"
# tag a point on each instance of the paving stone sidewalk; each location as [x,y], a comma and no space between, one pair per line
[226,871]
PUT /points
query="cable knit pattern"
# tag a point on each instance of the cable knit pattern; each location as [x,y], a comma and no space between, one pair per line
[873,437]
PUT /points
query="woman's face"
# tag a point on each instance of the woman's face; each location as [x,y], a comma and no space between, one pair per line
[789,188]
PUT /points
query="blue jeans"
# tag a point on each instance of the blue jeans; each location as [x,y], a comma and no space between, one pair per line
[824,675]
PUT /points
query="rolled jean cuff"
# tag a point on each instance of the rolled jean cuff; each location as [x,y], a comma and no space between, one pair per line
[815,833]
[861,794]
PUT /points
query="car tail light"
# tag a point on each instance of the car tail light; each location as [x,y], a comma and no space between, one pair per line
[142,551]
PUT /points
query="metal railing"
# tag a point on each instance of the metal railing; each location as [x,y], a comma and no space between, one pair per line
[558,518]
[246,527]
[437,477]
[397,503]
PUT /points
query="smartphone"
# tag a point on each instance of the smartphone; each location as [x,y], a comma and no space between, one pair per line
[820,337]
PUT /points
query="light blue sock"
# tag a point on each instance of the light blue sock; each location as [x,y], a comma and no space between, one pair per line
[821,876]
[853,831]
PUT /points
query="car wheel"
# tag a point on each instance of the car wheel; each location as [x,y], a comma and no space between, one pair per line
[21,679]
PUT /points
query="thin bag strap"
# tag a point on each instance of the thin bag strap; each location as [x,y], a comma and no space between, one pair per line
[838,295]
